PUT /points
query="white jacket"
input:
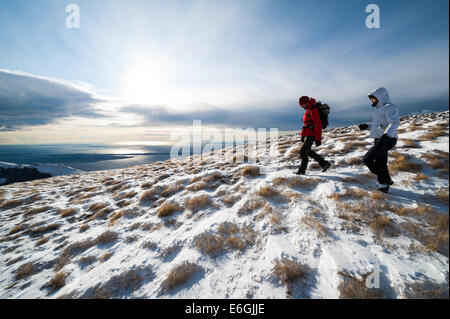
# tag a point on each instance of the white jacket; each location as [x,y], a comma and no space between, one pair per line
[385,117]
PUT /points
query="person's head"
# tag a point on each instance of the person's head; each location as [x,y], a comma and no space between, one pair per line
[303,101]
[379,97]
[374,100]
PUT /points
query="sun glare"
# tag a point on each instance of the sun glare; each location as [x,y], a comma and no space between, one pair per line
[146,82]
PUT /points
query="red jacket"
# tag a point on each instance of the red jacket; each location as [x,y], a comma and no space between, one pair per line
[312,116]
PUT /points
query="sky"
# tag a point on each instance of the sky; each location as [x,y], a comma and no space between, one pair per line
[136,70]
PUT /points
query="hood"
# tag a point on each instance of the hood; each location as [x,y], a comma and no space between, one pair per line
[382,95]
[311,103]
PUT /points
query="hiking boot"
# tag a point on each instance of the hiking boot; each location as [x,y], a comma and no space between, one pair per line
[300,172]
[384,188]
[326,166]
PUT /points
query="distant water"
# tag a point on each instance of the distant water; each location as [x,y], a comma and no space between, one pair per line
[91,157]
[87,157]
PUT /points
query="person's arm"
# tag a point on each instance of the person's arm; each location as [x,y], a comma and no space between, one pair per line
[393,118]
[315,116]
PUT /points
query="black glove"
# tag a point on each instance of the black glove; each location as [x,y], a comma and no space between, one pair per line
[363,127]
[318,143]
[302,139]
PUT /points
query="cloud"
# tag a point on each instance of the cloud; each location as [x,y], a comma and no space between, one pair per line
[30,100]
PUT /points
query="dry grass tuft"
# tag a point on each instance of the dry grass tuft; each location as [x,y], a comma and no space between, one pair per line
[209,244]
[409,143]
[106,238]
[44,229]
[229,200]
[351,193]
[25,271]
[250,206]
[250,171]
[297,181]
[316,225]
[67,212]
[354,288]
[180,275]
[268,192]
[420,177]
[198,203]
[58,281]
[97,207]
[288,271]
[442,195]
[16,229]
[105,257]
[148,196]
[404,163]
[426,290]
[167,209]
[36,210]
[42,241]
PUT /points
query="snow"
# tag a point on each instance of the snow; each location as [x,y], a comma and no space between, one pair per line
[146,240]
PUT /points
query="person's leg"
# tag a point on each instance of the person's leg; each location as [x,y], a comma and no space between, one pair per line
[319,159]
[381,161]
[304,154]
[369,159]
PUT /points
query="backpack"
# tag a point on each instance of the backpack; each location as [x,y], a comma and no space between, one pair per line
[324,110]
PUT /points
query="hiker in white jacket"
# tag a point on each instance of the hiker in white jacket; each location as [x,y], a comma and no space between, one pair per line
[383,129]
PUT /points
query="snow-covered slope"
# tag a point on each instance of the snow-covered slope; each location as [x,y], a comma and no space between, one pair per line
[191,228]
[52,169]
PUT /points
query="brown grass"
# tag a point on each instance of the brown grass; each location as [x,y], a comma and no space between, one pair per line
[250,171]
[288,271]
[297,181]
[404,162]
[180,275]
[42,241]
[106,237]
[36,210]
[229,200]
[58,281]
[426,290]
[16,229]
[13,203]
[25,271]
[250,206]
[409,143]
[167,209]
[148,196]
[209,244]
[442,195]
[67,212]
[198,203]
[83,228]
[97,207]
[420,177]
[171,190]
[105,257]
[351,193]
[354,288]
[268,191]
[316,225]
[44,229]
[434,132]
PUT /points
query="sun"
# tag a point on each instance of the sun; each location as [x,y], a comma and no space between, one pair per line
[146,82]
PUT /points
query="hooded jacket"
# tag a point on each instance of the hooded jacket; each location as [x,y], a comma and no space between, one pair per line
[311,118]
[385,117]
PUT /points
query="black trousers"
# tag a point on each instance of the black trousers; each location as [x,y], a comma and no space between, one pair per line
[376,158]
[306,153]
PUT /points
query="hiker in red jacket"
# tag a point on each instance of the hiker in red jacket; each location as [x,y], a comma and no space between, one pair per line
[311,132]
